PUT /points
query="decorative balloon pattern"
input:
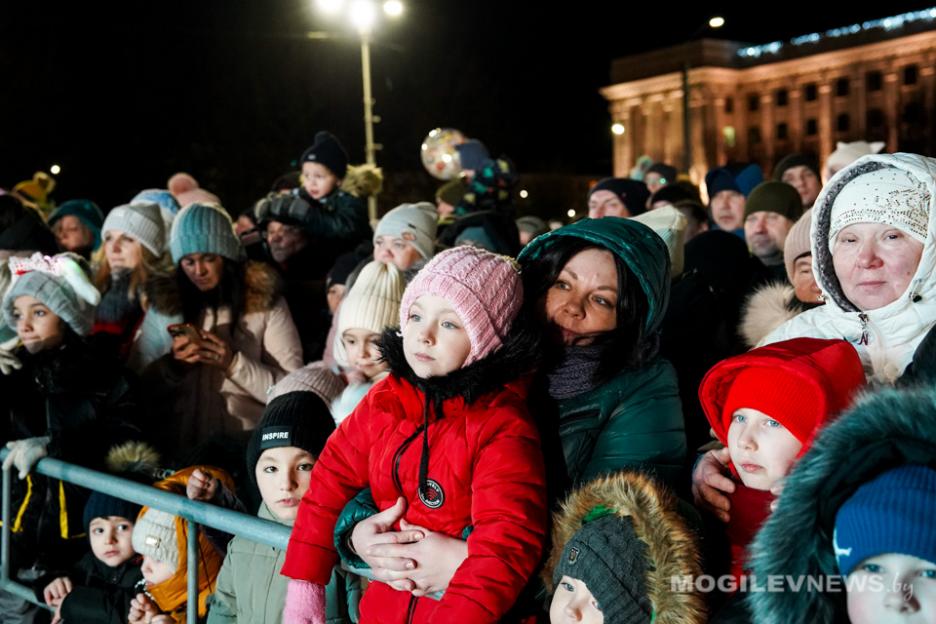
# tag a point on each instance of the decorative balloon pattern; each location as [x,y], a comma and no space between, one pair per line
[439,156]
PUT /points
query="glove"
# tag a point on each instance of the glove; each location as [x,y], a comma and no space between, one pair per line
[8,361]
[25,453]
[305,603]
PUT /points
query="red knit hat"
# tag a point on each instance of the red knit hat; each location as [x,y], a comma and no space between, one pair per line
[801,383]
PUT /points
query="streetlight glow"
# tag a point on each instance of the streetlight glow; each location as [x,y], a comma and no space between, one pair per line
[55,169]
[393,8]
[524,194]
[330,7]
[363,14]
[716,22]
[571,212]
[617,128]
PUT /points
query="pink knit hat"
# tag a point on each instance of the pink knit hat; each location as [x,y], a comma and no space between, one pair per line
[483,288]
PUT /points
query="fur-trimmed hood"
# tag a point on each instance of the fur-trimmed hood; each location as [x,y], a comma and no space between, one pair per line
[766,310]
[887,337]
[671,547]
[882,431]
[263,286]
[516,360]
[362,180]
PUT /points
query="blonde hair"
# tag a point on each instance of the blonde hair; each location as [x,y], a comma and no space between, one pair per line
[150,265]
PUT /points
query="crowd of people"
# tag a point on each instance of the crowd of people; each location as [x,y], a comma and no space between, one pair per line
[466,415]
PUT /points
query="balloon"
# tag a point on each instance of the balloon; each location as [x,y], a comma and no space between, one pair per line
[439,156]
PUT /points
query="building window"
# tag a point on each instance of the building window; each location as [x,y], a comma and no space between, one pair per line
[753,102]
[782,132]
[780,96]
[810,92]
[843,122]
[812,128]
[753,135]
[910,75]
[874,80]
[841,87]
[729,105]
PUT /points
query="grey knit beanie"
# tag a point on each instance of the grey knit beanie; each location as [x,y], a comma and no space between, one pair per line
[611,560]
[203,228]
[143,222]
[415,223]
[60,283]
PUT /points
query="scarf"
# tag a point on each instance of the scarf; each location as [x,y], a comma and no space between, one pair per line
[576,372]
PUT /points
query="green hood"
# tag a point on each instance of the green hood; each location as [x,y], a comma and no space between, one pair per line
[641,249]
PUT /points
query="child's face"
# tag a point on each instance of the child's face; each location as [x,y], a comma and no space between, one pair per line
[72,234]
[396,251]
[283,475]
[318,180]
[155,572]
[37,326]
[435,342]
[762,450]
[111,540]
[572,602]
[122,251]
[363,352]
[892,588]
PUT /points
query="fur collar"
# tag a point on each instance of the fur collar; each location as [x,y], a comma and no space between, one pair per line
[766,310]
[262,283]
[671,546]
[882,431]
[517,358]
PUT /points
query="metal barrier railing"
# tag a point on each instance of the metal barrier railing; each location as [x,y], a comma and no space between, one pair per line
[195,513]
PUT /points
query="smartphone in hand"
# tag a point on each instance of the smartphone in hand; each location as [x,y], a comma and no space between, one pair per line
[184,329]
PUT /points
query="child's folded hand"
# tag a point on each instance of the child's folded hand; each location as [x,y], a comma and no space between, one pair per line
[55,592]
[142,610]
[201,487]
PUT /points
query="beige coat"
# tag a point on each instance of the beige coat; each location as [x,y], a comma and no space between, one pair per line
[208,401]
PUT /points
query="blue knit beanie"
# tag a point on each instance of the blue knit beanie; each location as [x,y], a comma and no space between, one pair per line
[741,178]
[472,154]
[892,513]
[101,505]
[204,228]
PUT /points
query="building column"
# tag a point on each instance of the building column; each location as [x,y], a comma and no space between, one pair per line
[891,112]
[928,80]
[795,118]
[826,131]
[767,131]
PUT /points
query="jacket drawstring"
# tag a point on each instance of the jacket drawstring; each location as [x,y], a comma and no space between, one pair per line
[424,457]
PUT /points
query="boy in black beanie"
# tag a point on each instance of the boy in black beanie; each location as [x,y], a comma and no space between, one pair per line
[280,456]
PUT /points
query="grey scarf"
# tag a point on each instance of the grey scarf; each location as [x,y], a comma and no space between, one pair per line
[576,372]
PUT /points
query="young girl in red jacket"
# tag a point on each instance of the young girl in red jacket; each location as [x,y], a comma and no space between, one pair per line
[449,433]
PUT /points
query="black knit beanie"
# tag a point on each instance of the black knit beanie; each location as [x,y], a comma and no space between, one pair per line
[327,150]
[299,419]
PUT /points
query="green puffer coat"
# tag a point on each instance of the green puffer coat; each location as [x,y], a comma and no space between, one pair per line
[635,419]
[251,590]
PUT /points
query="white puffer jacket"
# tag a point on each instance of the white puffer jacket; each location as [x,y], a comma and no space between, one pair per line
[886,338]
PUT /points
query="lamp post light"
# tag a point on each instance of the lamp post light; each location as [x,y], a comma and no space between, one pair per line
[713,23]
[363,16]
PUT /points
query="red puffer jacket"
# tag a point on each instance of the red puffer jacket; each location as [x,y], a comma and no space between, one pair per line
[484,469]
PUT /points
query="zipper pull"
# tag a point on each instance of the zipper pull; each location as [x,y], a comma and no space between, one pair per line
[864,328]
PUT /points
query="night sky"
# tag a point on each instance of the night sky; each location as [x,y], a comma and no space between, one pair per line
[232,91]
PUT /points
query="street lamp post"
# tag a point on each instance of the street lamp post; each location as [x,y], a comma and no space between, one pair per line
[363,15]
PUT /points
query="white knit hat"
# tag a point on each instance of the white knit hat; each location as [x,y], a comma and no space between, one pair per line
[670,225]
[373,303]
[415,223]
[154,535]
[888,195]
[140,221]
